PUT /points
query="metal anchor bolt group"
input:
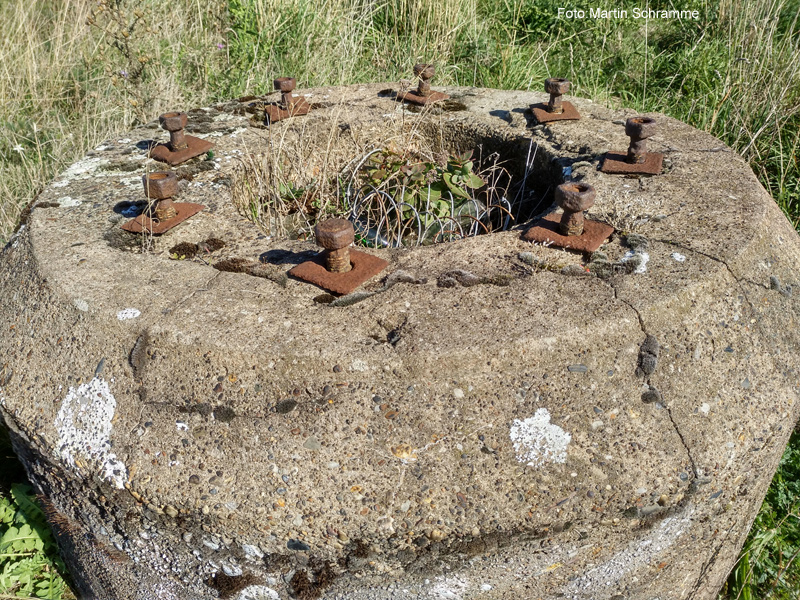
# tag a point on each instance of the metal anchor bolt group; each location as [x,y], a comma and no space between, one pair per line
[556,109]
[285,85]
[175,122]
[181,147]
[338,269]
[639,129]
[423,95]
[335,236]
[556,87]
[161,187]
[637,160]
[574,198]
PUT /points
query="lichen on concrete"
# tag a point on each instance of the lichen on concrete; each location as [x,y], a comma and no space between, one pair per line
[537,441]
[84,431]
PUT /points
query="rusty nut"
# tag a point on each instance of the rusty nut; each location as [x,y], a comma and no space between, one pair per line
[173,121]
[334,234]
[557,86]
[424,71]
[640,127]
[284,84]
[575,197]
[160,186]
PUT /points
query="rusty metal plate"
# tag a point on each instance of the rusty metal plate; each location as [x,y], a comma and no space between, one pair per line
[277,113]
[365,266]
[615,162]
[196,148]
[143,223]
[415,98]
[545,230]
[541,114]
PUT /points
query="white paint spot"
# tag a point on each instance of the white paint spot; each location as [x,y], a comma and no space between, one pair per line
[258,592]
[705,408]
[128,313]
[181,426]
[68,201]
[81,304]
[678,257]
[537,441]
[84,430]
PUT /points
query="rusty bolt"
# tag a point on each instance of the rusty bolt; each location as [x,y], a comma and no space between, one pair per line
[174,122]
[285,85]
[161,187]
[574,198]
[335,236]
[639,129]
[556,87]
[424,72]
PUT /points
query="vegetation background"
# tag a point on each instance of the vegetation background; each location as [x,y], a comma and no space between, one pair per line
[76,72]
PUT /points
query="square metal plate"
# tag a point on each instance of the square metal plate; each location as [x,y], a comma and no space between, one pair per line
[545,230]
[277,113]
[365,266]
[617,163]
[415,98]
[145,223]
[541,114]
[196,147]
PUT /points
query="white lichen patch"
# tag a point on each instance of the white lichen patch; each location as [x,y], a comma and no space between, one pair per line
[677,256]
[258,592]
[84,169]
[641,257]
[68,201]
[128,313]
[84,431]
[537,441]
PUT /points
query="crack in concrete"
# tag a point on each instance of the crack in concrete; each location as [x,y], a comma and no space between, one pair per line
[666,407]
[736,278]
[683,441]
[191,295]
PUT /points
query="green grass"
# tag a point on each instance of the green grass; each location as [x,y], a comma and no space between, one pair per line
[75,72]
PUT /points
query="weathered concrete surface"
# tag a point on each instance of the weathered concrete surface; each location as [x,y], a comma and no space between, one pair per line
[493,441]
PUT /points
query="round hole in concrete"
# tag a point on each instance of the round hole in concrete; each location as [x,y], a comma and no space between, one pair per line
[414,183]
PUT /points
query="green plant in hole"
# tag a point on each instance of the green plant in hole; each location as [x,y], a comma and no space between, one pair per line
[29,566]
[423,186]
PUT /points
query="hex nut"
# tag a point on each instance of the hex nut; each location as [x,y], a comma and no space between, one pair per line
[334,234]
[424,71]
[575,197]
[284,84]
[160,186]
[173,121]
[640,127]
[555,85]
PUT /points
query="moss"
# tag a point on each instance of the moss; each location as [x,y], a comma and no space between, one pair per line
[184,250]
